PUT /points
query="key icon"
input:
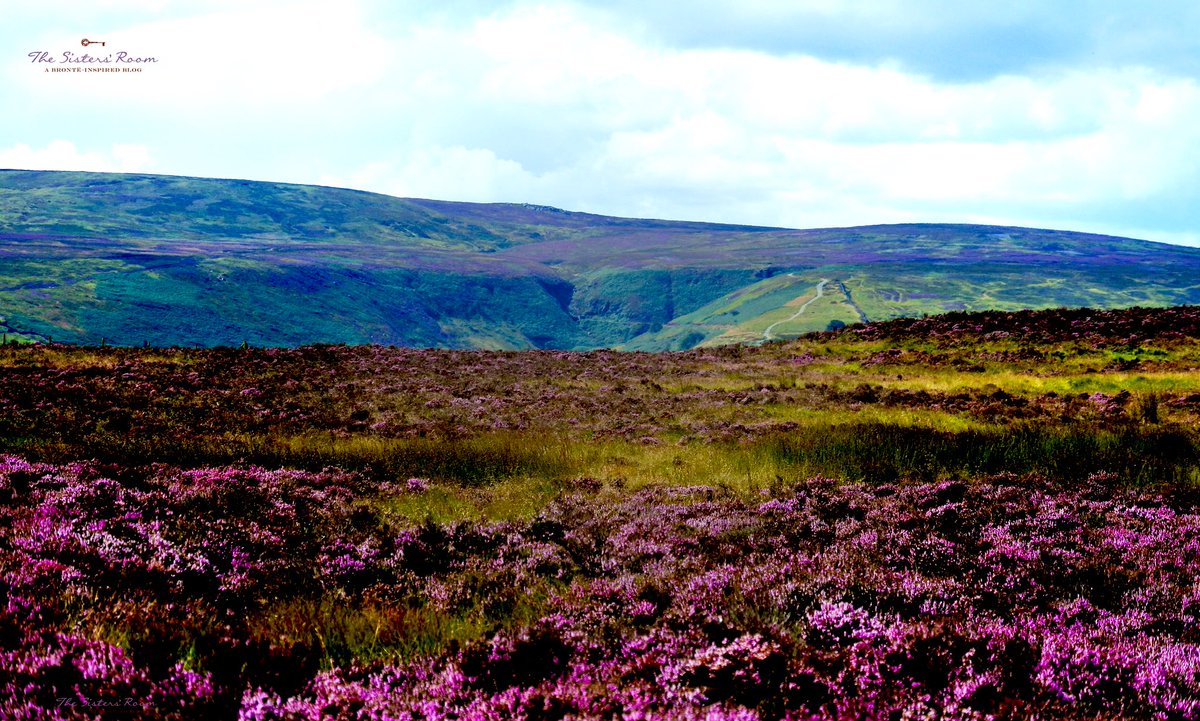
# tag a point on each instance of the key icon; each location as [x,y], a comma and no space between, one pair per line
[85,42]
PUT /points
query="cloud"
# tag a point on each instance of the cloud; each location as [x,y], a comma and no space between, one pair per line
[555,104]
[469,174]
[706,125]
[802,113]
[63,155]
[956,42]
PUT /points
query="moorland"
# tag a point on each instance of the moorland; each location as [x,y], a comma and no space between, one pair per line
[126,259]
[967,516]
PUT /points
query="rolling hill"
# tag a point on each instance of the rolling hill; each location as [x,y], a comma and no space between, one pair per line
[165,260]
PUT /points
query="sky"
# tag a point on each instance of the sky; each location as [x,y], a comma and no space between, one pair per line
[1073,114]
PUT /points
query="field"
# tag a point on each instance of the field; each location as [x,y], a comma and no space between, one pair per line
[967,516]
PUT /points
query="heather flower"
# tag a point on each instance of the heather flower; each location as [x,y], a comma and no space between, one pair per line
[833,624]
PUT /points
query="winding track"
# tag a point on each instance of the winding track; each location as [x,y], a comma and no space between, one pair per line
[820,293]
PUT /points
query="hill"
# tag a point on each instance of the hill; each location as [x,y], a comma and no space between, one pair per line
[165,260]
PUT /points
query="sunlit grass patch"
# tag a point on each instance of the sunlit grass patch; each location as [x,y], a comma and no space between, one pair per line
[39,355]
[1166,382]
[624,467]
[875,414]
[334,632]
[439,504]
[1019,383]
[476,460]
[510,499]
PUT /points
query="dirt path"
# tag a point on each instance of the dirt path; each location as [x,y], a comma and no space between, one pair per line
[820,293]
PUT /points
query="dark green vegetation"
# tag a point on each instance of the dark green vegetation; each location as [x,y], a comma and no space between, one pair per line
[971,516]
[133,259]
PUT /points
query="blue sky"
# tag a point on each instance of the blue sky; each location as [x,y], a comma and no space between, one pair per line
[807,113]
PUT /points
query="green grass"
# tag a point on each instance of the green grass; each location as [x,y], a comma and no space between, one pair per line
[884,453]
[517,498]
[952,381]
[469,462]
[902,417]
[340,633]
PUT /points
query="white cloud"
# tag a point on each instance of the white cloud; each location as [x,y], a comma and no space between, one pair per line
[681,130]
[469,174]
[63,155]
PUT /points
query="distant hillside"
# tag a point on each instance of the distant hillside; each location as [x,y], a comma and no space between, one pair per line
[133,259]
